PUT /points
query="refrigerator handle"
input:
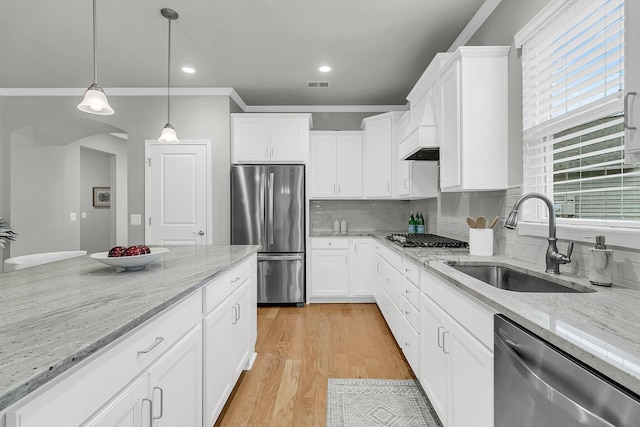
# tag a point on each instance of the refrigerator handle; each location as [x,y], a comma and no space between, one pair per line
[270,213]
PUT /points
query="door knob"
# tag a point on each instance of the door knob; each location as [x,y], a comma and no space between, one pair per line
[199,233]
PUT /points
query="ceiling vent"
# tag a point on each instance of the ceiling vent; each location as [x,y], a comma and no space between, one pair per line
[317,84]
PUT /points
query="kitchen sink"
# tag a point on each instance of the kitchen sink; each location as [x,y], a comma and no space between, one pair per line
[512,280]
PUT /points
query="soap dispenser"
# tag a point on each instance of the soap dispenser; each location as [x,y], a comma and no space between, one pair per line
[601,273]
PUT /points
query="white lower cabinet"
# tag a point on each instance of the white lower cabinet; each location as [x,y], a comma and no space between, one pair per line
[127,409]
[457,368]
[168,394]
[341,269]
[176,369]
[228,338]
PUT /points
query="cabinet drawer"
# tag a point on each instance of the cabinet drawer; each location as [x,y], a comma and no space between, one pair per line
[82,389]
[221,287]
[475,317]
[411,347]
[331,243]
[411,271]
[391,257]
[412,314]
[411,292]
[392,282]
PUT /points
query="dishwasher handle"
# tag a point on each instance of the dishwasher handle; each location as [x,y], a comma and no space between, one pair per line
[570,407]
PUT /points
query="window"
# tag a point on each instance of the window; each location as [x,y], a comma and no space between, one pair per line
[573,81]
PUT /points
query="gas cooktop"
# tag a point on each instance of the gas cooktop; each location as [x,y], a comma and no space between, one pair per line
[426,241]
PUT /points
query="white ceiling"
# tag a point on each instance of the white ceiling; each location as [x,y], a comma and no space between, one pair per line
[265,49]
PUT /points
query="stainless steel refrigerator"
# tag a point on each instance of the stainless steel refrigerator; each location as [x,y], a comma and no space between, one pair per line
[267,208]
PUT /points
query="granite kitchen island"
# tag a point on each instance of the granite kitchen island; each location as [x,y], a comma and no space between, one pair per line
[56,315]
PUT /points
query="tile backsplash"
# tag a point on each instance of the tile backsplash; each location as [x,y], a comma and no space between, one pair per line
[359,214]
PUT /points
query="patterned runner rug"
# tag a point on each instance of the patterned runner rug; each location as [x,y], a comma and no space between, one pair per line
[368,403]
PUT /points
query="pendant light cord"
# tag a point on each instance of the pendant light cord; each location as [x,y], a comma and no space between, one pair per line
[168,76]
[95,44]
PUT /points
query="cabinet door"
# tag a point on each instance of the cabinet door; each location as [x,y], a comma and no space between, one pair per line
[471,379]
[433,367]
[289,138]
[450,136]
[176,383]
[403,177]
[323,166]
[349,169]
[217,377]
[378,157]
[128,409]
[329,273]
[239,347]
[251,137]
[361,267]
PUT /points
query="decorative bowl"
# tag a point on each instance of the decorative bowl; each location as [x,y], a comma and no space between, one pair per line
[130,262]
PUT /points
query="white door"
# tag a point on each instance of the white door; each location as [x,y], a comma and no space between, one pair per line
[178,193]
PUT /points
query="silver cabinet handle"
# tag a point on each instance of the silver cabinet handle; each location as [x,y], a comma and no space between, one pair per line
[440,328]
[272,152]
[234,314]
[235,280]
[150,410]
[161,403]
[339,189]
[239,311]
[570,407]
[154,345]
[199,233]
[627,123]
[267,153]
[406,183]
[444,350]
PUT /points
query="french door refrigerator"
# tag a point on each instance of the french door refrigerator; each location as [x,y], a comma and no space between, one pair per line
[267,208]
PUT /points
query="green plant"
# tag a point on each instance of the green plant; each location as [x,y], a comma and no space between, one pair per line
[6,233]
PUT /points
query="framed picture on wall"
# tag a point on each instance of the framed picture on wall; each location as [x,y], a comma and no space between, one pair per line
[101,197]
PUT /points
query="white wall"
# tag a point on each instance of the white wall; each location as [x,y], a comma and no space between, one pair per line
[141,117]
[96,233]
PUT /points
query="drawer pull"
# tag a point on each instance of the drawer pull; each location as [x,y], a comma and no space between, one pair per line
[406,313]
[439,329]
[407,291]
[235,280]
[161,403]
[154,345]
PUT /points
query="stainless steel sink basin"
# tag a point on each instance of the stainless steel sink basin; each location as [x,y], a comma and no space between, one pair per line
[512,280]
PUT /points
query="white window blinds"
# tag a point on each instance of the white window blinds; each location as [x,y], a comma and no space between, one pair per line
[573,77]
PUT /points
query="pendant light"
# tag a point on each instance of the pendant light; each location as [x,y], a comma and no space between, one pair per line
[95,101]
[168,133]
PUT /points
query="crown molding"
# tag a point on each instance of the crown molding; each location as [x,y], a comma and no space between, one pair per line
[475,23]
[225,91]
[324,108]
[543,17]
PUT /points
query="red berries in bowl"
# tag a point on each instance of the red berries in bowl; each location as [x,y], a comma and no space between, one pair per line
[120,251]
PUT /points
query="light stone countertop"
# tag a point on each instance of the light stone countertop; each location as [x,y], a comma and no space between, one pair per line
[601,329]
[54,315]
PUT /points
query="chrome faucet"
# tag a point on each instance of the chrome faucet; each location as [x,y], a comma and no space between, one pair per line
[553,257]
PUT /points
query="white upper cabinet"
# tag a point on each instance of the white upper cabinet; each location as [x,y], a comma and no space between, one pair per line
[472,128]
[336,165]
[380,154]
[632,82]
[265,138]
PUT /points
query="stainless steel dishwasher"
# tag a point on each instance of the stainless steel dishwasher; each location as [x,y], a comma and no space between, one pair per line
[538,385]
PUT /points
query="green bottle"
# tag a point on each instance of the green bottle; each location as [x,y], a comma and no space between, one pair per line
[420,227]
[412,224]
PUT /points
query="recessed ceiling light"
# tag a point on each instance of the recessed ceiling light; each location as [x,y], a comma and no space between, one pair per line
[324,69]
[188,70]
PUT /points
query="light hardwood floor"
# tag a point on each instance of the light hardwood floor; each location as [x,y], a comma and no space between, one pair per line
[299,349]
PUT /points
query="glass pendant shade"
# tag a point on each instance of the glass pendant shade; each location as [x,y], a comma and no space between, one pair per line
[168,135]
[95,102]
